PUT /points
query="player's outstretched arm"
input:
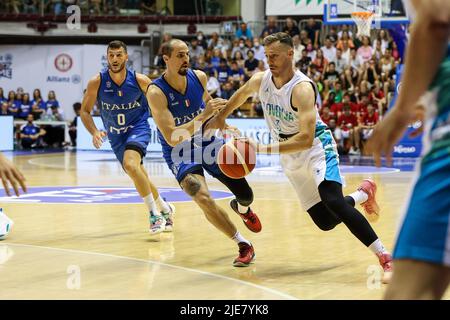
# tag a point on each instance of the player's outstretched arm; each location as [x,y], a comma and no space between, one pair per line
[426,50]
[236,100]
[143,81]
[303,98]
[10,175]
[89,98]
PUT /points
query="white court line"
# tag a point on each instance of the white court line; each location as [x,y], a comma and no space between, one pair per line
[272,291]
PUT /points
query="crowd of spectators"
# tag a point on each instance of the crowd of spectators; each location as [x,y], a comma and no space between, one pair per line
[354,75]
[21,106]
[88,7]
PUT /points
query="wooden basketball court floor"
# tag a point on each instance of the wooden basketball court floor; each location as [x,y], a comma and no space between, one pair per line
[103,251]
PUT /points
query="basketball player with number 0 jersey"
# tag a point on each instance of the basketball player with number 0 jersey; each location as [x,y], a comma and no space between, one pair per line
[120,95]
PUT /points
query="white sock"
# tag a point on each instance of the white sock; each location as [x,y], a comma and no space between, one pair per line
[242,209]
[151,205]
[377,247]
[163,205]
[359,196]
[239,238]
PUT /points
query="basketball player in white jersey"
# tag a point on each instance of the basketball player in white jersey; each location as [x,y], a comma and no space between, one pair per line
[9,175]
[422,248]
[308,151]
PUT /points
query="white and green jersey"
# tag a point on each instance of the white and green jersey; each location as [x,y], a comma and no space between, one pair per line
[437,103]
[280,115]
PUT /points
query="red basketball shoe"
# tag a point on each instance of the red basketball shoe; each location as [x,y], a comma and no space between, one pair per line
[250,218]
[246,255]
[370,206]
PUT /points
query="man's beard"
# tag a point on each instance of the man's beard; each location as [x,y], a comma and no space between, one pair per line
[183,71]
[121,67]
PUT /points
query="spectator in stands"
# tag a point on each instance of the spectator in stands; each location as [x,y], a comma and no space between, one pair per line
[38,105]
[337,108]
[25,107]
[228,90]
[30,6]
[258,49]
[271,27]
[382,40]
[298,48]
[326,115]
[291,27]
[55,113]
[215,42]
[111,7]
[238,46]
[2,96]
[56,6]
[328,50]
[304,62]
[320,61]
[377,52]
[379,97]
[213,85]
[394,50]
[96,7]
[370,73]
[195,51]
[215,59]
[347,122]
[202,40]
[330,75]
[345,39]
[366,125]
[365,52]
[12,6]
[239,58]
[329,102]
[236,75]
[250,64]
[74,123]
[244,32]
[223,71]
[51,102]
[332,35]
[13,104]
[337,89]
[341,63]
[313,30]
[148,7]
[4,109]
[30,134]
[345,29]
[312,53]
[304,38]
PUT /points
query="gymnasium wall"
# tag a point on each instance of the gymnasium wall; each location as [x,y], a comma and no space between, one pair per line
[66,69]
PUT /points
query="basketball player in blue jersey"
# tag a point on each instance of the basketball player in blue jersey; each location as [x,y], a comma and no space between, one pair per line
[308,153]
[422,250]
[177,100]
[120,95]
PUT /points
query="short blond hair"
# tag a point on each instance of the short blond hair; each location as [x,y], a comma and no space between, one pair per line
[282,37]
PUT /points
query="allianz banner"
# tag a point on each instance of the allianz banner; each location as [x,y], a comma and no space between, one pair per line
[56,68]
[407,146]
[65,69]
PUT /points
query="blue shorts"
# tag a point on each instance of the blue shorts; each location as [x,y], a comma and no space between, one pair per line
[136,139]
[424,234]
[200,158]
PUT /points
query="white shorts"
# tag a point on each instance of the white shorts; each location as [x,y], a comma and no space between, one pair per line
[307,169]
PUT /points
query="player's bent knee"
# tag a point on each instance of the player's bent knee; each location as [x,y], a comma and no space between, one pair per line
[245,198]
[131,167]
[326,226]
[191,185]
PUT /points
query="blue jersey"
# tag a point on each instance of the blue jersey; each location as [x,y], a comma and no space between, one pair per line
[122,107]
[184,108]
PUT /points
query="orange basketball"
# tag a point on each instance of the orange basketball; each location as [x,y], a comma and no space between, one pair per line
[236,158]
